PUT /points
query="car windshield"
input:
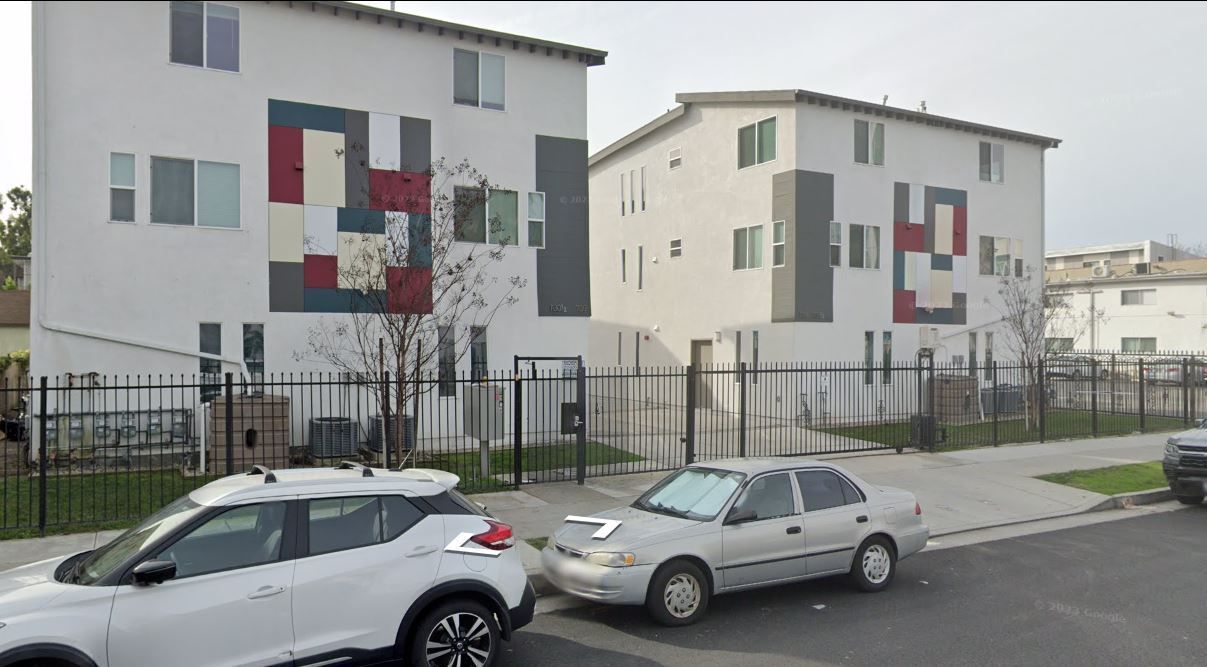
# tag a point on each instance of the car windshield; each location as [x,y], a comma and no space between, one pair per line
[101,562]
[692,493]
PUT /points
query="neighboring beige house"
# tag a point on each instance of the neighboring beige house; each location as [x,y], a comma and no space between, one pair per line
[14,321]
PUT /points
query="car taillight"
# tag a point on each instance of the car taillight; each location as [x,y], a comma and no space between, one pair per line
[917,509]
[497,538]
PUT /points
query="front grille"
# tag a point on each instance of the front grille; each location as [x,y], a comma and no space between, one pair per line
[569,552]
[1193,449]
[1194,461]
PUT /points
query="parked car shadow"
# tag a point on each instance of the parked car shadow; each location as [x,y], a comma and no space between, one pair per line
[560,650]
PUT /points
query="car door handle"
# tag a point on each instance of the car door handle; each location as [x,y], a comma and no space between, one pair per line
[421,551]
[265,592]
[862,518]
[793,530]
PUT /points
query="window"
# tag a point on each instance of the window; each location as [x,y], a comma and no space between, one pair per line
[835,244]
[344,523]
[622,199]
[446,361]
[1058,344]
[643,187]
[477,353]
[737,353]
[972,354]
[175,181]
[748,248]
[779,252]
[397,516]
[640,267]
[479,79]
[121,187]
[503,211]
[756,143]
[624,268]
[769,497]
[469,206]
[695,493]
[674,158]
[1000,256]
[536,219]
[754,357]
[1138,345]
[676,248]
[242,536]
[210,336]
[869,142]
[632,191]
[869,363]
[204,34]
[865,247]
[1138,297]
[993,159]
[253,351]
[822,490]
[988,355]
[886,352]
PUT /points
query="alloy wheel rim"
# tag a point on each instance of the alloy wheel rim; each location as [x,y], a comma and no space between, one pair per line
[682,595]
[459,640]
[876,564]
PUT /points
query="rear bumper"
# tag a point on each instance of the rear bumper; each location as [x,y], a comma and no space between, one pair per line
[598,583]
[521,614]
[912,540]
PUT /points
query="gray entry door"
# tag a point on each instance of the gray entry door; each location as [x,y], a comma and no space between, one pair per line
[702,360]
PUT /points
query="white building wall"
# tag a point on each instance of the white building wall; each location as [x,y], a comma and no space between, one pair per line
[105,85]
[1178,319]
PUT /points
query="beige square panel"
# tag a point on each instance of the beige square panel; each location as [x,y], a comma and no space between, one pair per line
[285,237]
[911,270]
[323,168]
[944,221]
[360,260]
[940,289]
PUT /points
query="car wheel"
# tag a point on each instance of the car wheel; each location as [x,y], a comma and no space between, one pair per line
[458,632]
[874,565]
[1190,500]
[678,594]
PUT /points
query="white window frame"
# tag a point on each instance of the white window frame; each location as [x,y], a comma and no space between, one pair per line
[1143,292]
[864,260]
[748,247]
[872,141]
[756,142]
[676,154]
[676,248]
[478,53]
[205,39]
[544,216]
[1001,170]
[783,227]
[134,189]
[832,244]
[196,224]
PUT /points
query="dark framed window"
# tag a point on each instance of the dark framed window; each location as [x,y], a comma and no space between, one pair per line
[238,537]
[822,490]
[769,497]
[204,34]
[469,214]
[210,342]
[337,524]
[446,362]
[477,353]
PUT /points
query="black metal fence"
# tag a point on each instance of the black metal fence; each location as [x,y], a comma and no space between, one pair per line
[102,451]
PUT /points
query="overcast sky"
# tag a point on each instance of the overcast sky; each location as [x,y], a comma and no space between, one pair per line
[1121,84]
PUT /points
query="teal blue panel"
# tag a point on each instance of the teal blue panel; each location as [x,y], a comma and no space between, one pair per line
[308,116]
[361,221]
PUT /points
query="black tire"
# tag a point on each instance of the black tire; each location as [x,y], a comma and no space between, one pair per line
[467,615]
[870,578]
[670,598]
[1190,500]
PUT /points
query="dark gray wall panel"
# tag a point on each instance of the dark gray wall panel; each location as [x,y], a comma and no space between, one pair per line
[928,238]
[783,278]
[356,159]
[901,202]
[814,275]
[416,134]
[563,271]
[285,284]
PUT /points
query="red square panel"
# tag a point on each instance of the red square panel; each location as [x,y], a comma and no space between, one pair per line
[320,271]
[959,226]
[404,191]
[907,237]
[904,306]
[284,164]
[409,290]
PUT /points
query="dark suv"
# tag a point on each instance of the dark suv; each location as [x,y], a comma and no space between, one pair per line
[1186,464]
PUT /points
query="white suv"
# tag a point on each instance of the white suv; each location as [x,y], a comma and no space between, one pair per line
[349,565]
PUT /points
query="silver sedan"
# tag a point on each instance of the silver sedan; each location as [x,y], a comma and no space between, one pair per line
[733,525]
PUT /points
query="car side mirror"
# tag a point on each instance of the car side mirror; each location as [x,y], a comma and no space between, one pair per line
[740,516]
[151,572]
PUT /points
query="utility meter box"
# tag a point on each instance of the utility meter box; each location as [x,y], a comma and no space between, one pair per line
[483,411]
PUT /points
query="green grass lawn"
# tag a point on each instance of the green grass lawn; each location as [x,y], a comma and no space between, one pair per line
[1060,425]
[1116,479]
[537,543]
[542,457]
[82,502]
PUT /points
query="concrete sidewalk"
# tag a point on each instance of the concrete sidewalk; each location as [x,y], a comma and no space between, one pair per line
[959,491]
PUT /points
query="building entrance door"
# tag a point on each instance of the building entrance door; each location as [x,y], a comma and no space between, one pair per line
[702,360]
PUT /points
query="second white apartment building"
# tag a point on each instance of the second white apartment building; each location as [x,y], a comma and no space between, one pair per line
[789,225]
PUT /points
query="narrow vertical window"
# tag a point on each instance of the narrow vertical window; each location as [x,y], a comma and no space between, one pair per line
[187,34]
[856,247]
[754,357]
[835,244]
[640,267]
[502,212]
[972,354]
[253,352]
[624,268]
[221,37]
[632,191]
[217,195]
[737,353]
[886,361]
[878,144]
[622,199]
[988,355]
[992,162]
[536,219]
[779,254]
[746,146]
[861,141]
[871,247]
[869,359]
[209,335]
[121,187]
[619,346]
[446,361]
[477,353]
[674,158]
[643,187]
[492,69]
[172,191]
[469,215]
[766,140]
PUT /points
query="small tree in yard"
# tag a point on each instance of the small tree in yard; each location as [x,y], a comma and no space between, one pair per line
[414,282]
[1030,315]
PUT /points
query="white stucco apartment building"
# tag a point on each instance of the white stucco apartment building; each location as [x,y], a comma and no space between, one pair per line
[197,166]
[789,225]
[1140,252]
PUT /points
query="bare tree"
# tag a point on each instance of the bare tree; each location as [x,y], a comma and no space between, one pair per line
[1030,315]
[428,275]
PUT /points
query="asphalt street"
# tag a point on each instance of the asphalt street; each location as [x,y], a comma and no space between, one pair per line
[1127,592]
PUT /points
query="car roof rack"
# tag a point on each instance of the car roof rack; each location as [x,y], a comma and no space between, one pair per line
[269,478]
[349,465]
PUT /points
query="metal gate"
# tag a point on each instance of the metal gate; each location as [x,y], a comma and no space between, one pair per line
[549,420]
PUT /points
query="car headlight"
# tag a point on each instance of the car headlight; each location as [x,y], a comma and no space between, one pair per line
[1172,450]
[611,559]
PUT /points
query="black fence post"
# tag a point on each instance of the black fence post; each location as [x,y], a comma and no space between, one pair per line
[387,438]
[742,409]
[689,439]
[229,418]
[995,410]
[581,426]
[1143,393]
[517,425]
[932,423]
[1094,397]
[1185,392]
[42,453]
[1114,388]
[1043,401]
